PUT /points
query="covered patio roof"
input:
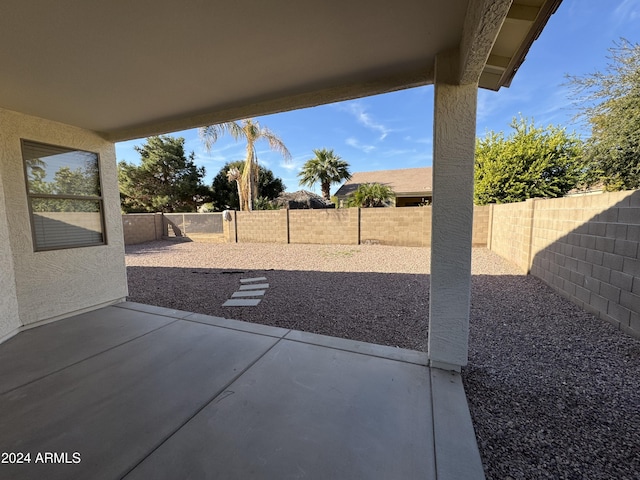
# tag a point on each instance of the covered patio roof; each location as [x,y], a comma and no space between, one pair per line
[134,69]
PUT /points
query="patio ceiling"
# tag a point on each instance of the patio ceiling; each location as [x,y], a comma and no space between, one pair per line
[132,69]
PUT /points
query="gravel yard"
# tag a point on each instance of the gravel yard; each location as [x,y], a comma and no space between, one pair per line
[553,391]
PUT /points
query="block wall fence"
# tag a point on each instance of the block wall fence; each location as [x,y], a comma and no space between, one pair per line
[409,226]
[142,227]
[586,248]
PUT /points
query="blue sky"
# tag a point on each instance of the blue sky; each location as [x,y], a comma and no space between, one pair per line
[395,130]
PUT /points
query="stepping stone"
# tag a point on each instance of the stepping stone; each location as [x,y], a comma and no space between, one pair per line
[248,293]
[241,302]
[254,286]
[256,279]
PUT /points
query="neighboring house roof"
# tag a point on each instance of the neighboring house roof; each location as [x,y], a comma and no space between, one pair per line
[403,182]
[301,199]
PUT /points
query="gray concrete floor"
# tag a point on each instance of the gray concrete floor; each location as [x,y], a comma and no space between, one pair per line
[139,392]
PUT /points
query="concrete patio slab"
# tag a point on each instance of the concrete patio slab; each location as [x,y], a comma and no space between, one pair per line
[165,312]
[196,396]
[301,420]
[383,351]
[64,343]
[458,455]
[117,407]
[238,325]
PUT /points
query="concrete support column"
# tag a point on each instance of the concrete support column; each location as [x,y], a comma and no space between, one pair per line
[452,215]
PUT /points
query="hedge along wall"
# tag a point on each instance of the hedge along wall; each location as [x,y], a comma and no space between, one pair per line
[586,248]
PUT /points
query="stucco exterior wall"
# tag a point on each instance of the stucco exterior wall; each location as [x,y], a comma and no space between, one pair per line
[58,283]
[9,319]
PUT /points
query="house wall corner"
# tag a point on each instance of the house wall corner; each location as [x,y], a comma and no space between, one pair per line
[56,283]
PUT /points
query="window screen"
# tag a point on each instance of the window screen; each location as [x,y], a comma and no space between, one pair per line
[65,197]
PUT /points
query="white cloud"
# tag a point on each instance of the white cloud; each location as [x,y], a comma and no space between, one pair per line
[294,164]
[357,109]
[352,142]
[627,11]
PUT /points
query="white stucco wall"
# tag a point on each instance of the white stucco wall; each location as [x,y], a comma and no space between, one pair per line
[9,320]
[58,283]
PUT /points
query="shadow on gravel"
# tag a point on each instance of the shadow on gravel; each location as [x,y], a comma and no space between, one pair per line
[388,309]
[553,391]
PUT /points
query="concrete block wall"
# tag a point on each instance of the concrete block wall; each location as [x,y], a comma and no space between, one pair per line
[481,217]
[331,226]
[410,226]
[510,228]
[586,248]
[142,227]
[263,226]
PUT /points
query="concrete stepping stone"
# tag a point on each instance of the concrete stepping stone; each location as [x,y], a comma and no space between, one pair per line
[255,279]
[248,293]
[254,286]
[241,302]
[249,288]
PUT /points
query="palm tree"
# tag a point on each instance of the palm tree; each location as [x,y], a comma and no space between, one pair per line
[371,195]
[327,168]
[233,175]
[251,131]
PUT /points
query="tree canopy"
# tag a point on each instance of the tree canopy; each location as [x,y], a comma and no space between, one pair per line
[371,195]
[165,181]
[610,102]
[325,168]
[530,162]
[225,192]
[251,131]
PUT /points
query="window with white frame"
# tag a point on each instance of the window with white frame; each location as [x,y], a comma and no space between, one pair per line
[65,196]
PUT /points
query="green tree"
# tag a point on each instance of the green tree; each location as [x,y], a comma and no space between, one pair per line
[530,162]
[75,182]
[165,181]
[610,102]
[225,192]
[81,182]
[325,168]
[36,175]
[371,195]
[251,131]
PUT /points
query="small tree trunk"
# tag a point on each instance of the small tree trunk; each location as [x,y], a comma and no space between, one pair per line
[239,193]
[250,193]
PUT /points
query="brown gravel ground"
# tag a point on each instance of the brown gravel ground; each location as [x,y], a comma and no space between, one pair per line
[553,392]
